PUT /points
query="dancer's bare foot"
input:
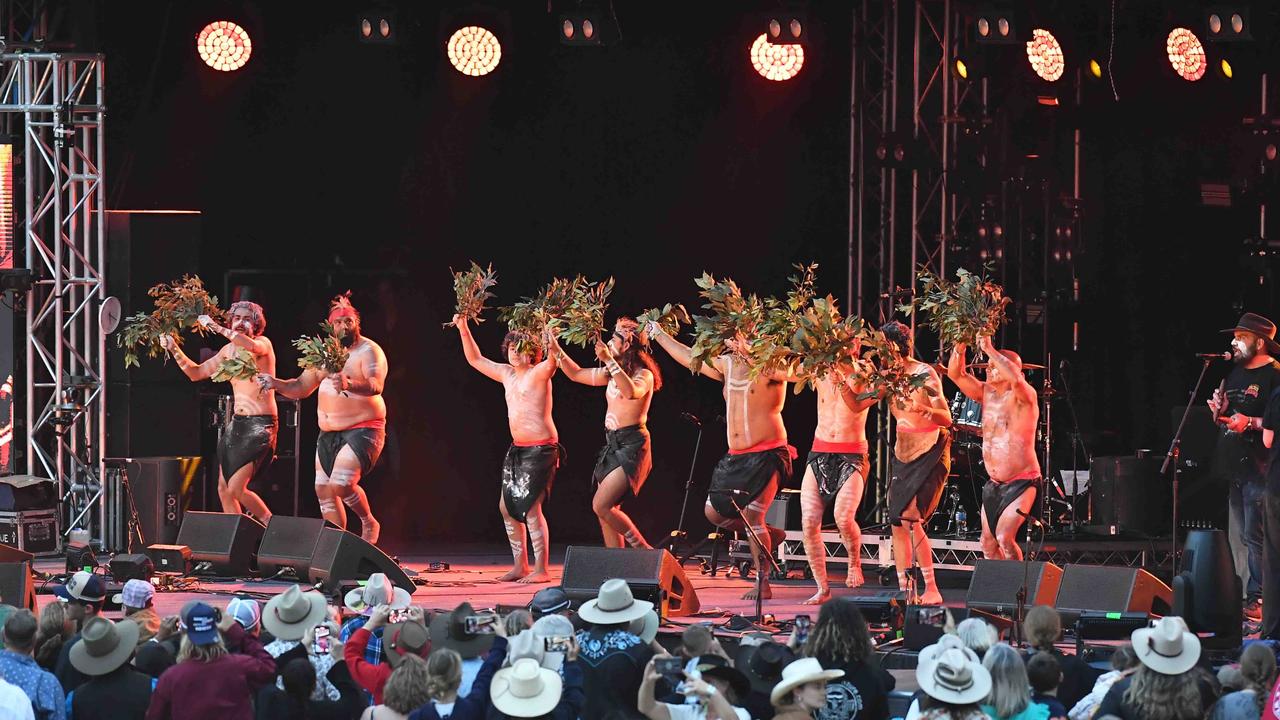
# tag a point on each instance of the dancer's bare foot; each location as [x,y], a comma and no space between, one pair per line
[766,592]
[854,578]
[537,576]
[370,531]
[515,573]
[819,597]
[931,597]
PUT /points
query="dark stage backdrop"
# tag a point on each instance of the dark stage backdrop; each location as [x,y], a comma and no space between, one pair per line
[378,168]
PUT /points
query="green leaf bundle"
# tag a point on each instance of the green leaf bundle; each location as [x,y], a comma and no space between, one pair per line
[773,347]
[669,317]
[582,320]
[322,352]
[732,322]
[240,366]
[962,310]
[472,288]
[884,372]
[177,306]
[822,341]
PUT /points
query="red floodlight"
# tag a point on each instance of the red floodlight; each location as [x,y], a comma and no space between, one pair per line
[1186,54]
[474,50]
[224,45]
[776,62]
[1045,55]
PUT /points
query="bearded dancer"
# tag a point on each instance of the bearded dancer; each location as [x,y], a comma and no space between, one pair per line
[529,468]
[759,458]
[835,469]
[920,465]
[352,417]
[1010,412]
[248,439]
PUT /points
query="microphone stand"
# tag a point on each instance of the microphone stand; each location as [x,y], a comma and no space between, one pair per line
[1077,444]
[1171,458]
[675,537]
[761,552]
[1020,598]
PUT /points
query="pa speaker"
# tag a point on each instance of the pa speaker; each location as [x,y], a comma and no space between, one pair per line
[1207,591]
[227,542]
[1110,589]
[653,575]
[161,489]
[995,584]
[289,542]
[16,586]
[1128,495]
[340,556]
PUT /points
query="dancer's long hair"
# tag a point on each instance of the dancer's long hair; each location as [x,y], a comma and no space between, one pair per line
[1156,696]
[637,356]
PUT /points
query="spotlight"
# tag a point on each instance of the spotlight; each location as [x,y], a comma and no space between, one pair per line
[1186,54]
[474,50]
[786,28]
[224,45]
[995,25]
[776,62]
[896,150]
[1045,55]
[377,27]
[1224,67]
[1095,68]
[1227,23]
[970,63]
[588,26]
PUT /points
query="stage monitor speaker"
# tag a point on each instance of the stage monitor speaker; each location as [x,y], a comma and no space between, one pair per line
[340,556]
[1128,495]
[1102,588]
[289,542]
[16,585]
[993,588]
[161,489]
[654,575]
[226,542]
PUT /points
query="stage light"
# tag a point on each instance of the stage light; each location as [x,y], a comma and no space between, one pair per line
[1227,23]
[588,26]
[6,203]
[995,25]
[377,27]
[1224,67]
[962,69]
[1095,68]
[1186,54]
[224,45]
[1045,55]
[970,63]
[474,51]
[786,28]
[776,62]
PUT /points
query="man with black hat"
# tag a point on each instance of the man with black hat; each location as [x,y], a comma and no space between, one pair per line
[711,681]
[83,594]
[1240,457]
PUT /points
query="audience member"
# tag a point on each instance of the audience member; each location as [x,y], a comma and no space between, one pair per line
[713,685]
[14,704]
[245,611]
[557,626]
[696,641]
[136,600]
[646,628]
[292,621]
[1230,679]
[802,689]
[115,690]
[1167,684]
[56,628]
[977,635]
[377,590]
[1258,670]
[840,640]
[84,594]
[444,677]
[762,663]
[219,668]
[613,659]
[1042,628]
[19,667]
[1124,662]
[550,601]
[410,687]
[297,699]
[517,621]
[953,682]
[1010,697]
[450,630]
[399,639]
[930,654]
[528,690]
[1045,675]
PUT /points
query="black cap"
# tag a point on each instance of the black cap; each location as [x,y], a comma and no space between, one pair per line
[549,601]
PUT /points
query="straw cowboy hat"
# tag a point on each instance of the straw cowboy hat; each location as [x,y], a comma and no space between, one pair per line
[1166,646]
[797,673]
[614,604]
[645,627]
[450,630]
[525,689]
[954,677]
[946,642]
[289,615]
[376,591]
[104,646]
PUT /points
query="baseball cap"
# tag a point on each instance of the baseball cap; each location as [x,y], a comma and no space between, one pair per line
[202,624]
[136,594]
[82,587]
[245,611]
[549,600]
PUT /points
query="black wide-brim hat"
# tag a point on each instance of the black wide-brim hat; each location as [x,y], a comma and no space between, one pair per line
[1260,326]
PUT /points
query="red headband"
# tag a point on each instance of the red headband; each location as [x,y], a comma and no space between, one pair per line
[342,311]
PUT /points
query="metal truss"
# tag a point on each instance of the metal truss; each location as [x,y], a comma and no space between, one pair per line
[60,100]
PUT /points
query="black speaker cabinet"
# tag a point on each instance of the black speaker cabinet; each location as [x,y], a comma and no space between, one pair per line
[995,583]
[1110,589]
[653,575]
[161,489]
[342,556]
[289,542]
[227,542]
[16,585]
[1128,496]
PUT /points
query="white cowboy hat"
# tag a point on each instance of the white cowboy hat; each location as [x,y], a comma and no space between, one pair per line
[946,642]
[954,677]
[645,627]
[614,604]
[289,615]
[525,689]
[376,591]
[1166,646]
[797,673]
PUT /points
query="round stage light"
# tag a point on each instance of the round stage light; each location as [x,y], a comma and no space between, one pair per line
[224,45]
[474,51]
[1186,54]
[1045,55]
[776,62]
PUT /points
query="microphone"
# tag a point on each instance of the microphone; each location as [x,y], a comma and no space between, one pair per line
[1030,518]
[1214,356]
[691,418]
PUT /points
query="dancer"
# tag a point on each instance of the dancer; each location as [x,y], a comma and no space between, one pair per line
[1010,412]
[352,417]
[248,439]
[631,377]
[759,458]
[835,469]
[531,462]
[919,468]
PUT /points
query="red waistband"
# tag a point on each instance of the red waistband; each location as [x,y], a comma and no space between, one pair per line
[767,445]
[925,429]
[377,423]
[536,443]
[852,448]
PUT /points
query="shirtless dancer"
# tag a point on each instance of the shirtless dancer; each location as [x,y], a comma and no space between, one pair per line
[631,377]
[920,465]
[248,439]
[836,468]
[1009,416]
[531,462]
[352,418]
[759,458]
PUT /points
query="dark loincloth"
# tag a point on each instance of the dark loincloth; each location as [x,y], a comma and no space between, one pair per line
[627,448]
[921,480]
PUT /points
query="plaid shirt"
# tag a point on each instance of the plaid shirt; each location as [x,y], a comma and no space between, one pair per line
[373,653]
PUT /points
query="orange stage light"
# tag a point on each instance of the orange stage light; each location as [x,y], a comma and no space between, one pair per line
[6,206]
[776,62]
[1045,55]
[1186,54]
[474,51]
[224,45]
